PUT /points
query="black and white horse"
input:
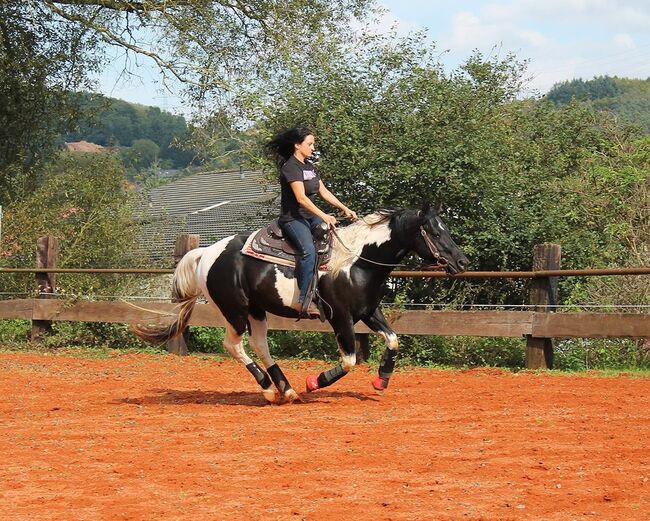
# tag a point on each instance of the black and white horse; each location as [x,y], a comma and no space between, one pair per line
[244,289]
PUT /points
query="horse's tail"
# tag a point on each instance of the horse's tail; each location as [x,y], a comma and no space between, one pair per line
[185,289]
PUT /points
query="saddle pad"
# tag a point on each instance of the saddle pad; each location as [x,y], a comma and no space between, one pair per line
[253,248]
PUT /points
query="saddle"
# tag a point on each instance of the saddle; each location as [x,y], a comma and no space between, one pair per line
[270,244]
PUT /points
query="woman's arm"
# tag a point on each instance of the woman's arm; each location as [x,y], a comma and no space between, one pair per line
[298,189]
[333,200]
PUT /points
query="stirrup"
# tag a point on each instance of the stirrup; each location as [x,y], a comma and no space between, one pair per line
[310,311]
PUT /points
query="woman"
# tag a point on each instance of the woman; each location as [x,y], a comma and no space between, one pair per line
[299,216]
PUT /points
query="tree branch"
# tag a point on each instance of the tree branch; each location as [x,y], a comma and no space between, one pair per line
[114,39]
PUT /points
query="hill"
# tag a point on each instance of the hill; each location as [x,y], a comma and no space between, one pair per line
[111,122]
[629,98]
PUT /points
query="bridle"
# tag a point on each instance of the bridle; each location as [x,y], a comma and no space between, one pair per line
[441,262]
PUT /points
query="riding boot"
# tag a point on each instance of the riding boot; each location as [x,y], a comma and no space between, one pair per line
[310,311]
[307,311]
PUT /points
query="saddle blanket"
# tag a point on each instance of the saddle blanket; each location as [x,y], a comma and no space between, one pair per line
[253,248]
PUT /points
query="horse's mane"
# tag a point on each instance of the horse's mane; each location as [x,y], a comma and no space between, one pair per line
[352,238]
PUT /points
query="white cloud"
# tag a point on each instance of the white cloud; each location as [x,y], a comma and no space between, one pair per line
[385,22]
[621,15]
[468,32]
[562,39]
[534,38]
[624,41]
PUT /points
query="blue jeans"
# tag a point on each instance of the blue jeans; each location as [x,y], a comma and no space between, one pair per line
[299,232]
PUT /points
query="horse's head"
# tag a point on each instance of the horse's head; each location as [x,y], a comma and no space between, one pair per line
[435,245]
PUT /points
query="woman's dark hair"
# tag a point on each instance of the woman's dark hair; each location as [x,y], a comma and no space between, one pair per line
[281,147]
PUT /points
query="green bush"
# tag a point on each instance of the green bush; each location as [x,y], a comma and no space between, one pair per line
[460,351]
[12,331]
[589,353]
[207,340]
[282,344]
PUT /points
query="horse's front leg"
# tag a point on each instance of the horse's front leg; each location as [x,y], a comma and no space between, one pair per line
[377,322]
[344,330]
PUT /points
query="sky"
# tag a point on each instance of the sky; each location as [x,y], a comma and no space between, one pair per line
[561,39]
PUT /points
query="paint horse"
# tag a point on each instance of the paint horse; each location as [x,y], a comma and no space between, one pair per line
[244,289]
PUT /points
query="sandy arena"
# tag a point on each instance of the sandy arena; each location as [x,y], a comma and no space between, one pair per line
[155,437]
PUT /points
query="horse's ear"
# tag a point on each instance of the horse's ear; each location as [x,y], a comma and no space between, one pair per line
[426,206]
[438,207]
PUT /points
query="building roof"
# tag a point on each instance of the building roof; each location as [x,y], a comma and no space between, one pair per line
[213,205]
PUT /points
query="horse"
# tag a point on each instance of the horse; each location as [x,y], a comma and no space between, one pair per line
[245,288]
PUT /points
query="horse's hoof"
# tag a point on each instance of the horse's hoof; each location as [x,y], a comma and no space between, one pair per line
[291,396]
[271,395]
[380,384]
[311,384]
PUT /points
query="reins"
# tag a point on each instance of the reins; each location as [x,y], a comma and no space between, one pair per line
[427,240]
[359,256]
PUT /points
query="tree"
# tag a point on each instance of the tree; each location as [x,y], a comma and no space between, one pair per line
[49,48]
[394,130]
[142,154]
[85,202]
[210,44]
[38,58]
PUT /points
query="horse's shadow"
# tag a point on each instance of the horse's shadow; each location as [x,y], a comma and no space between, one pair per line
[250,399]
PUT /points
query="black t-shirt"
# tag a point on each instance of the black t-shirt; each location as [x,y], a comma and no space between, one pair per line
[294,170]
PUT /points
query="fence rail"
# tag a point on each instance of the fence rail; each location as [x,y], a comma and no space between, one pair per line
[539,325]
[594,272]
[444,323]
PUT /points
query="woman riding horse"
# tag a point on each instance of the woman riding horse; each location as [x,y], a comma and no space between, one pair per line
[299,217]
[245,288]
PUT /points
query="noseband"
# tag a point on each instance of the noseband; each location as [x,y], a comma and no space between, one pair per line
[440,260]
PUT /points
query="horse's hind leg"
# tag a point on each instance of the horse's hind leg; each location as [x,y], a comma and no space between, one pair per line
[259,342]
[233,343]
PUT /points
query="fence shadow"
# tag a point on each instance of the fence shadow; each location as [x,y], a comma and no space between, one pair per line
[251,399]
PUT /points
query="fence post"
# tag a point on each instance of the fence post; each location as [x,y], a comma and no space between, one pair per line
[539,351]
[184,243]
[362,347]
[47,251]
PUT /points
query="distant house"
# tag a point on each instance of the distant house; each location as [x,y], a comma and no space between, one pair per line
[213,205]
[87,147]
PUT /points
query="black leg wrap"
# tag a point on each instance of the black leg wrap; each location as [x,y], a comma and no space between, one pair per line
[260,376]
[387,364]
[278,378]
[329,377]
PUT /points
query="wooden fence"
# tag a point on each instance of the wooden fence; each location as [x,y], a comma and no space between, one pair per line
[538,325]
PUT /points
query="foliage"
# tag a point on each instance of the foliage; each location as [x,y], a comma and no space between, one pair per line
[115,123]
[628,98]
[394,130]
[85,202]
[283,344]
[33,106]
[587,354]
[86,335]
[209,45]
[142,154]
[459,352]
[50,49]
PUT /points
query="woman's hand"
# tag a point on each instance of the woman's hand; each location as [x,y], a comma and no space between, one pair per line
[330,220]
[350,214]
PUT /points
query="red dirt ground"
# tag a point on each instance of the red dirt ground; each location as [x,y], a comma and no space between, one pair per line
[153,437]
